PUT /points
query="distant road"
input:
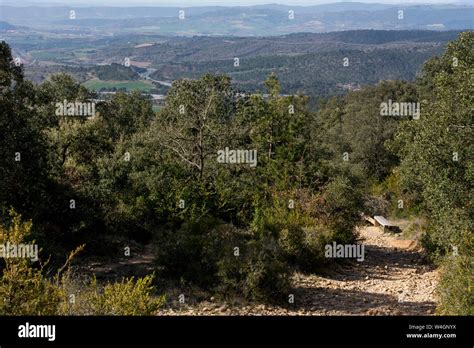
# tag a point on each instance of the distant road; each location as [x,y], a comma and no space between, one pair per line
[148,72]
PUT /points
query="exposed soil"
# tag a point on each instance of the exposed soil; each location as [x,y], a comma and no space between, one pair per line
[393,279]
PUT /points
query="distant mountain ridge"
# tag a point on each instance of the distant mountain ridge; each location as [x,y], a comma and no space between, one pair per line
[6,26]
[259,20]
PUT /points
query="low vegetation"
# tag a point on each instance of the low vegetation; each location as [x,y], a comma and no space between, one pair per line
[229,226]
[26,290]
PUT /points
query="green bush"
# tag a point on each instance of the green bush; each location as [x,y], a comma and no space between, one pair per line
[218,256]
[24,290]
[128,297]
[259,272]
[267,276]
[341,209]
[191,252]
[456,287]
[291,239]
[304,246]
[303,231]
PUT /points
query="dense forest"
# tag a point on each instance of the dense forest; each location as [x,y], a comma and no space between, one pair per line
[308,63]
[236,226]
[115,72]
[326,77]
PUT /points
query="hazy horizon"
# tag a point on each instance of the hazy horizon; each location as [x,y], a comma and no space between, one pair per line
[165,3]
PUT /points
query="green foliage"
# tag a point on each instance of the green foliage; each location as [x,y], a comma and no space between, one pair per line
[437,168]
[456,286]
[275,127]
[128,297]
[267,276]
[303,231]
[354,125]
[23,148]
[125,114]
[227,227]
[437,150]
[192,251]
[340,209]
[303,247]
[25,290]
[259,272]
[327,73]
[220,257]
[115,72]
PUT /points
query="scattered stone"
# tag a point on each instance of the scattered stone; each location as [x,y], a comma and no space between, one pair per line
[371,288]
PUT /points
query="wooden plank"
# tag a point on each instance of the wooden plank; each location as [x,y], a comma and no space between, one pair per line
[383,221]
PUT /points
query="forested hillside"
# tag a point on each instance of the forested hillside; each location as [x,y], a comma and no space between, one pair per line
[317,74]
[314,64]
[233,193]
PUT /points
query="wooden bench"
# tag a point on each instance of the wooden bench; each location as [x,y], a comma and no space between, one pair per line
[381,221]
[369,219]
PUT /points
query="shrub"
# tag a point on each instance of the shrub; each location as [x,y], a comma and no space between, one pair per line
[259,273]
[291,239]
[313,257]
[303,231]
[304,246]
[191,252]
[219,256]
[456,287]
[339,209]
[24,290]
[267,277]
[128,297]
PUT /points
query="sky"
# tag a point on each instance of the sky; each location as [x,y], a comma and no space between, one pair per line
[128,3]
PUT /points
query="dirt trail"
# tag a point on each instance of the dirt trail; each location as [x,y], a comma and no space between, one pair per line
[392,280]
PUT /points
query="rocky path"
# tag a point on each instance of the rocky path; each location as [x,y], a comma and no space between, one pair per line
[392,280]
